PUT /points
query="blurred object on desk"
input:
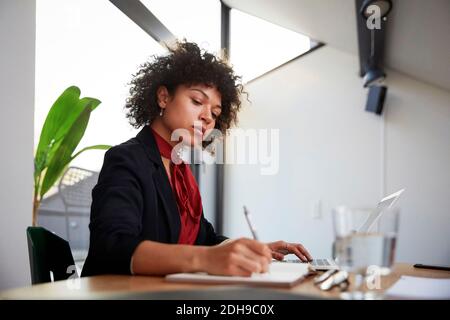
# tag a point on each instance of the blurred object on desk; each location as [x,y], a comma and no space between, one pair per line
[419,288]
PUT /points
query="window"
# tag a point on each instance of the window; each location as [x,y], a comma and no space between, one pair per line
[93,45]
[258,46]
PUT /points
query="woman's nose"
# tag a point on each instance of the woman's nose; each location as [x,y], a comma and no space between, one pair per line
[206,115]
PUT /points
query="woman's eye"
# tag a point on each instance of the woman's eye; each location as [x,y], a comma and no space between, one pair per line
[196,102]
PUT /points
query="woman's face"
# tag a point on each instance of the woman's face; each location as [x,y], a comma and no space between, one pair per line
[192,108]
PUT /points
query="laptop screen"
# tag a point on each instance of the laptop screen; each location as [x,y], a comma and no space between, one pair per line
[386,202]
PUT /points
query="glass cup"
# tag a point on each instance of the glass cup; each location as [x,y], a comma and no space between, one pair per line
[364,245]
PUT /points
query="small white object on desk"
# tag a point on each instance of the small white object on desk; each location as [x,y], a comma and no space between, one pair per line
[279,275]
[419,288]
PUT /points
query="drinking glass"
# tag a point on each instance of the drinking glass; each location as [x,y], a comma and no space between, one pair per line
[365,242]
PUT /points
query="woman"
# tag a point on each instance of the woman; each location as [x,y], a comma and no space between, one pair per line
[146,214]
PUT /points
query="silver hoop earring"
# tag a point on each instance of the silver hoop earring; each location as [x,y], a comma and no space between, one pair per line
[161,112]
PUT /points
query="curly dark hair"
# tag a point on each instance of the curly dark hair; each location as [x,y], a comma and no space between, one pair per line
[185,64]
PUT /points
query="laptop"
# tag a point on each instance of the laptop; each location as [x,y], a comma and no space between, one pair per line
[330,264]
[317,264]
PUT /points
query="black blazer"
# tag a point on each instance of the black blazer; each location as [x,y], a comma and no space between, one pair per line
[132,202]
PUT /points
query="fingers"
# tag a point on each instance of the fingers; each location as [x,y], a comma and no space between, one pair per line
[258,247]
[277,255]
[248,256]
[304,252]
[244,256]
[239,271]
[286,248]
[262,261]
[280,247]
[242,265]
[300,252]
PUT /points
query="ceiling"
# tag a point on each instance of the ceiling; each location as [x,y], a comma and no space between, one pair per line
[417,34]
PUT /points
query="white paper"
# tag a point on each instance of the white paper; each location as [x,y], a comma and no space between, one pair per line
[420,288]
[280,274]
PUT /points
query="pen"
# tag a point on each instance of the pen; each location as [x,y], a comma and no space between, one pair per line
[250,224]
[253,229]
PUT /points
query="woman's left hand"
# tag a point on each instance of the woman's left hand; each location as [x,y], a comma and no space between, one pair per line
[281,248]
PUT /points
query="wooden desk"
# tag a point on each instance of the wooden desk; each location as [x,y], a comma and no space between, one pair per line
[118,287]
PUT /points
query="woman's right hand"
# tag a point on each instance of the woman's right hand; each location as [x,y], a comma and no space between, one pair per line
[240,257]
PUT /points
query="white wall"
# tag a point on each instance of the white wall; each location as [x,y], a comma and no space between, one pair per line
[334,152]
[17,57]
[418,158]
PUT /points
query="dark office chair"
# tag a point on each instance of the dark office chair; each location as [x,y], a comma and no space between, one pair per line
[49,253]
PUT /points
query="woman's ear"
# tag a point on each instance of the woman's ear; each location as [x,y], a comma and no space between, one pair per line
[162,96]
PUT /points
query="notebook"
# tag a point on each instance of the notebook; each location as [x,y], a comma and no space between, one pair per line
[280,275]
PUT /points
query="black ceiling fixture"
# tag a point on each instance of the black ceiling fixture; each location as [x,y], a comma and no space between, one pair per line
[371,22]
[145,19]
[374,76]
[385,7]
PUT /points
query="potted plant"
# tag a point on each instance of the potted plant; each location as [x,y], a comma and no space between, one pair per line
[61,133]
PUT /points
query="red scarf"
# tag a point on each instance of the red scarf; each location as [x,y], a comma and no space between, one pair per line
[186,193]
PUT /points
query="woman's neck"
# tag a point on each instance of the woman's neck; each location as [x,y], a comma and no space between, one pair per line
[163,131]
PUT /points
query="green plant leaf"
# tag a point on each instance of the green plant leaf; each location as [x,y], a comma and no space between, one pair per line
[73,114]
[58,113]
[60,119]
[63,155]
[96,147]
[81,105]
